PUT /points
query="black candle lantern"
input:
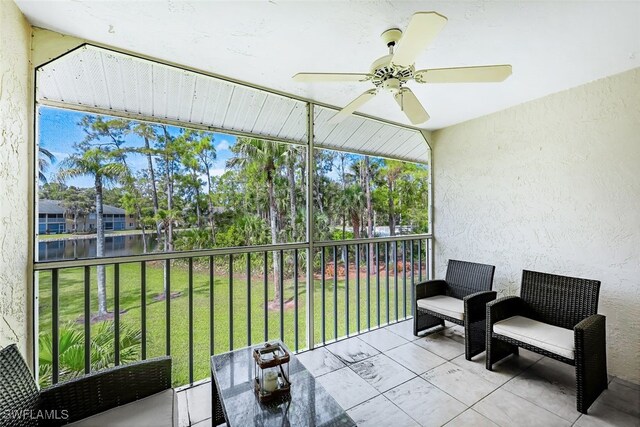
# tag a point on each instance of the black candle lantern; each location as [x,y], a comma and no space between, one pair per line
[271,369]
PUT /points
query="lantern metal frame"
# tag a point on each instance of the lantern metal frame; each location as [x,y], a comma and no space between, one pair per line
[272,356]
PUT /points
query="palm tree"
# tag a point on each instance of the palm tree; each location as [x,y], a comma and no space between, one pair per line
[45,158]
[252,228]
[264,155]
[391,171]
[355,203]
[292,154]
[101,163]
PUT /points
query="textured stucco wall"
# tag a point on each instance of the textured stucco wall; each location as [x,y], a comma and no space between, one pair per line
[15,122]
[551,185]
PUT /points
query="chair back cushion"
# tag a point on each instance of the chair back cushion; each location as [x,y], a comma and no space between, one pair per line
[465,278]
[559,300]
[18,390]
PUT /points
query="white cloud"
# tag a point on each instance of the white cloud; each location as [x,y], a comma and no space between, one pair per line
[217,172]
[224,145]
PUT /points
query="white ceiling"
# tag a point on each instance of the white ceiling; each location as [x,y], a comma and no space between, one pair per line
[102,80]
[551,45]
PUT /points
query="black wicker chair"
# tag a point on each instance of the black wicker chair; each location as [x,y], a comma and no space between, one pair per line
[555,316]
[22,404]
[460,299]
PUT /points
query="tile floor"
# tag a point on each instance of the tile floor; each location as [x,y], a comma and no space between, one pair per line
[388,377]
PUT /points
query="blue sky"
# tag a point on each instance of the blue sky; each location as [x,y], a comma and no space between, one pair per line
[59,130]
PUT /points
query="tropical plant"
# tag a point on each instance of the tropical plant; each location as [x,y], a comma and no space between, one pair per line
[71,350]
[45,158]
[264,155]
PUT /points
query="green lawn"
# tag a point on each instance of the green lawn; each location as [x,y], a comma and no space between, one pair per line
[71,303]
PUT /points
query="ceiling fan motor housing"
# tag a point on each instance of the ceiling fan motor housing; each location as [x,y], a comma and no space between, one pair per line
[389,76]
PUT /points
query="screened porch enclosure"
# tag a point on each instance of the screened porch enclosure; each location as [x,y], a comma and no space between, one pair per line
[193,303]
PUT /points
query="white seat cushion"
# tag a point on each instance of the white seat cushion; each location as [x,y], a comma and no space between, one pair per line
[154,411]
[443,304]
[548,337]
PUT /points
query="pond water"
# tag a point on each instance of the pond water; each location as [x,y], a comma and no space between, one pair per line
[57,250]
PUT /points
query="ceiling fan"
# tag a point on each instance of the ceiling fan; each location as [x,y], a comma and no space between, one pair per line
[391,72]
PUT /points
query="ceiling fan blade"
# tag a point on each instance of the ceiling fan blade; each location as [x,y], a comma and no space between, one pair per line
[411,107]
[482,74]
[331,77]
[353,106]
[422,29]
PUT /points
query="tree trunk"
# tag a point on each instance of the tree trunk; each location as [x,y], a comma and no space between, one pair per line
[154,188]
[367,185]
[168,239]
[392,222]
[292,197]
[210,205]
[170,209]
[169,164]
[274,238]
[198,211]
[144,236]
[355,224]
[392,215]
[101,279]
[168,243]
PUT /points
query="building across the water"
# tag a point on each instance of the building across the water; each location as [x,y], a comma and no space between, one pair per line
[53,218]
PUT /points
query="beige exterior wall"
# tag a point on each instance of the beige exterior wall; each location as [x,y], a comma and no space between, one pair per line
[551,185]
[15,182]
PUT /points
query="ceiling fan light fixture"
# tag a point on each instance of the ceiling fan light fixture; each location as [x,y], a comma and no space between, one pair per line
[392,85]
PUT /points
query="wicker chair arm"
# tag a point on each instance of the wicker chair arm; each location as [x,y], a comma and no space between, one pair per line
[590,328]
[475,305]
[590,336]
[503,308]
[97,392]
[430,288]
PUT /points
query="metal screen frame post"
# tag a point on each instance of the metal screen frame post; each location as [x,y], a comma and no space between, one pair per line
[310,235]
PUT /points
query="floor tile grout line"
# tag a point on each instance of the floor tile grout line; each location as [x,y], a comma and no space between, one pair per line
[413,342]
[452,396]
[382,351]
[382,392]
[402,410]
[540,407]
[387,399]
[406,367]
[438,388]
[415,338]
[532,402]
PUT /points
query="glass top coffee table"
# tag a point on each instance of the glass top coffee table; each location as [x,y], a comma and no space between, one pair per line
[234,400]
